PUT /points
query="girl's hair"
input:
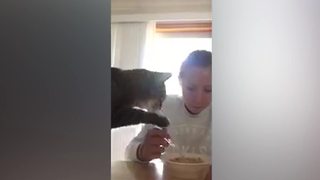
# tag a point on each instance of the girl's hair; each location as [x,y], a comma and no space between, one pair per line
[198,58]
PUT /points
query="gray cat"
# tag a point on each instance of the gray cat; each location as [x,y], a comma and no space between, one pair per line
[135,97]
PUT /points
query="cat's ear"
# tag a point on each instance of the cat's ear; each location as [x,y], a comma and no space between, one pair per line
[164,76]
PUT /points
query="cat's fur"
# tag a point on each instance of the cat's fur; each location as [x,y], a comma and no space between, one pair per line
[137,88]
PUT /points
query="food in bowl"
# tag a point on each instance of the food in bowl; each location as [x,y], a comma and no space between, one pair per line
[183,159]
[191,166]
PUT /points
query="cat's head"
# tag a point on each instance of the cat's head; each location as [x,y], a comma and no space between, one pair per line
[148,88]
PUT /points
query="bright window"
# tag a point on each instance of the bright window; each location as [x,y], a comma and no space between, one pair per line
[170,51]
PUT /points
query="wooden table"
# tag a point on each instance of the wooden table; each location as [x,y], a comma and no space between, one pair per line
[128,170]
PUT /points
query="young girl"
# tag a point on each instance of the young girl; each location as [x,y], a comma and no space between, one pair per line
[189,115]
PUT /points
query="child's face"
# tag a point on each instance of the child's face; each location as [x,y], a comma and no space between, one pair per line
[196,88]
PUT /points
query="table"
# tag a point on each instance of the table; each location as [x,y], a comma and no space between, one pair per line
[129,170]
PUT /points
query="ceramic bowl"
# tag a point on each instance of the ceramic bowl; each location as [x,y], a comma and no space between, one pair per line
[187,168]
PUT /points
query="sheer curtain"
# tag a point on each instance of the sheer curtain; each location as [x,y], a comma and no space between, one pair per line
[128,42]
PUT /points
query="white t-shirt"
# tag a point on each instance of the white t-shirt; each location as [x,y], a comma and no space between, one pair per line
[189,133]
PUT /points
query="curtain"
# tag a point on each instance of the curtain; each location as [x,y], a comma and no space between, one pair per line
[128,44]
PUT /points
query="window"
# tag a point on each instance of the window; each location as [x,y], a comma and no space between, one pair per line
[171,44]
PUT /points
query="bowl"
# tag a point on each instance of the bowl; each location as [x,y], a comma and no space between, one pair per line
[188,166]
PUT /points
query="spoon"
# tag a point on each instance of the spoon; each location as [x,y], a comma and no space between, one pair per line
[169,141]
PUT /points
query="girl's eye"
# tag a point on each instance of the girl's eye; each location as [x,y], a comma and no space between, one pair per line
[207,90]
[191,88]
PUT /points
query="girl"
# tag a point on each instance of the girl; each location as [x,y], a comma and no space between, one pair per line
[189,115]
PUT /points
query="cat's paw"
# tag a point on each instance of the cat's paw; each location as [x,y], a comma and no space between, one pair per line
[158,120]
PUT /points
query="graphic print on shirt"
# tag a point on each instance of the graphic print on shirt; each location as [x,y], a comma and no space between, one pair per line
[191,139]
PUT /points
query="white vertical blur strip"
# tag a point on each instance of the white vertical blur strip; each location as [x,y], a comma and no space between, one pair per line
[266,84]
